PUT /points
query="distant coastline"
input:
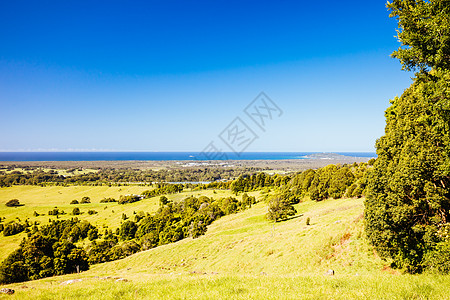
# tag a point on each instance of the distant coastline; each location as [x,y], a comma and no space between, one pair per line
[172,156]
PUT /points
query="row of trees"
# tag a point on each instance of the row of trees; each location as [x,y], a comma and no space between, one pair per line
[332,181]
[163,189]
[257,181]
[108,176]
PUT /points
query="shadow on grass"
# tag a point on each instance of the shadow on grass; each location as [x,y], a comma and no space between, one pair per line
[290,218]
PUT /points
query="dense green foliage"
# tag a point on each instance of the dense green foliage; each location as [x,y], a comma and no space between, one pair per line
[107,200]
[129,199]
[280,209]
[408,201]
[55,212]
[257,181]
[47,252]
[13,228]
[424,31]
[122,176]
[332,181]
[163,189]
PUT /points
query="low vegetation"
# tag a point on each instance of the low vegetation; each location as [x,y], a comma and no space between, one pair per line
[13,203]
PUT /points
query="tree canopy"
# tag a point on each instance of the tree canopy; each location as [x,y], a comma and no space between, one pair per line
[424,31]
[408,197]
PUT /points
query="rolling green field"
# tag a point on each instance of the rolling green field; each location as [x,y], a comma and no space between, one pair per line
[242,256]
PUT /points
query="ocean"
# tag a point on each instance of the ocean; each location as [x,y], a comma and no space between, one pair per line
[117,156]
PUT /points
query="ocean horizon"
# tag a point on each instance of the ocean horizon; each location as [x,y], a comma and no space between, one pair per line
[161,156]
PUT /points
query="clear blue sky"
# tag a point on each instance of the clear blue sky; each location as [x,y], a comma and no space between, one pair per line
[171,75]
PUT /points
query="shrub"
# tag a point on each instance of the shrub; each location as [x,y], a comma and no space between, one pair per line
[197,229]
[55,212]
[13,228]
[76,211]
[163,200]
[107,200]
[85,200]
[438,260]
[91,212]
[74,202]
[13,203]
[12,269]
[149,240]
[129,199]
[128,230]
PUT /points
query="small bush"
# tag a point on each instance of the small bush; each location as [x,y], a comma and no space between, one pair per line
[13,203]
[163,200]
[76,211]
[106,200]
[129,199]
[91,212]
[74,202]
[55,212]
[13,228]
[85,200]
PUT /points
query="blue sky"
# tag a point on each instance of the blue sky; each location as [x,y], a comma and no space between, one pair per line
[171,75]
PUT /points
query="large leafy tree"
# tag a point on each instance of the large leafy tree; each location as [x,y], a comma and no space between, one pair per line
[408,201]
[280,209]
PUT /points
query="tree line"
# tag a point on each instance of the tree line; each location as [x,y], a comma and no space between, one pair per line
[123,176]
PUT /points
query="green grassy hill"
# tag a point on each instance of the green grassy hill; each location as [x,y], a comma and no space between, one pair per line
[243,256]
[109,215]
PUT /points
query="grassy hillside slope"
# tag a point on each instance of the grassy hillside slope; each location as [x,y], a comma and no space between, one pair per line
[243,256]
[44,199]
